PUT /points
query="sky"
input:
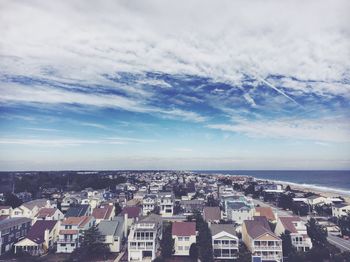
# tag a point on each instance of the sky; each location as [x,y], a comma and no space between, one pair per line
[187,84]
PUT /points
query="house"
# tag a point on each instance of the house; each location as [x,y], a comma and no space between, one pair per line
[339,210]
[225,241]
[67,202]
[190,206]
[47,213]
[78,211]
[131,215]
[12,230]
[112,233]
[144,238]
[315,200]
[298,232]
[265,212]
[148,204]
[5,211]
[184,235]
[166,204]
[105,212]
[40,238]
[261,241]
[70,232]
[212,214]
[31,208]
[238,212]
[24,196]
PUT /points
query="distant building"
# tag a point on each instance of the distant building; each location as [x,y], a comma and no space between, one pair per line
[239,211]
[339,210]
[212,214]
[105,212]
[225,241]
[166,204]
[30,209]
[67,202]
[12,230]
[149,203]
[184,234]
[298,232]
[48,213]
[78,211]
[265,212]
[40,238]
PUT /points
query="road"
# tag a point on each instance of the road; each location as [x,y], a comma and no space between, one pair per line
[342,244]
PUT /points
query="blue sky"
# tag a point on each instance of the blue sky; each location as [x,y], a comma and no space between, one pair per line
[174,85]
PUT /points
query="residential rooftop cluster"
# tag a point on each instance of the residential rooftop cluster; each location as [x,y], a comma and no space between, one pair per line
[135,216]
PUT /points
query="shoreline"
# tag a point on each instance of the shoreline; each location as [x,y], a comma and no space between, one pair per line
[323,191]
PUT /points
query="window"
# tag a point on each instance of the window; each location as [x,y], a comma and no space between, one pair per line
[181,248]
[186,238]
[180,238]
[187,247]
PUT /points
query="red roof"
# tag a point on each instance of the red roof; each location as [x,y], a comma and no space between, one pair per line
[288,223]
[211,213]
[184,229]
[46,212]
[132,211]
[103,212]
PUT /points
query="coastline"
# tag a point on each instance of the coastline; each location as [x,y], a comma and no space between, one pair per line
[325,192]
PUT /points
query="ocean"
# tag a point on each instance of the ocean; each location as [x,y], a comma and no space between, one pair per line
[330,181]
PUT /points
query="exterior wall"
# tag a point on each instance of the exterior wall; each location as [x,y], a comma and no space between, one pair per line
[338,212]
[113,243]
[182,244]
[11,235]
[225,246]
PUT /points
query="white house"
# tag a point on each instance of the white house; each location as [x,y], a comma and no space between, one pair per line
[148,204]
[166,204]
[30,209]
[298,232]
[224,240]
[239,211]
[184,234]
[70,232]
[340,210]
[143,239]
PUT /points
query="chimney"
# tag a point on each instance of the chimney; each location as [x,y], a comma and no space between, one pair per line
[125,224]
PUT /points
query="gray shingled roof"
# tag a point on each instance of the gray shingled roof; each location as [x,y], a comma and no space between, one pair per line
[112,227]
[10,222]
[217,228]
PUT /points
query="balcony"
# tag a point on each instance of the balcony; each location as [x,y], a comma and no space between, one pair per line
[230,246]
[260,248]
[67,240]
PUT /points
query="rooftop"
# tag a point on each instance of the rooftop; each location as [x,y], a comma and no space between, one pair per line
[184,229]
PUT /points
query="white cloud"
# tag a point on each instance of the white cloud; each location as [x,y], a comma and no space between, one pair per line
[322,130]
[81,40]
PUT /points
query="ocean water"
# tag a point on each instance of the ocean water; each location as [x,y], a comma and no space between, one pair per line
[332,181]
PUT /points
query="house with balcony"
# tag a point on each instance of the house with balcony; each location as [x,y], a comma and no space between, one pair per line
[225,241]
[184,235]
[261,241]
[149,203]
[112,233]
[144,238]
[298,232]
[12,230]
[40,238]
[71,230]
[166,204]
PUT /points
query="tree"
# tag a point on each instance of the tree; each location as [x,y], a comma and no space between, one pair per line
[12,200]
[288,188]
[204,239]
[344,225]
[285,201]
[317,233]
[244,254]
[287,246]
[91,246]
[167,242]
[194,252]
